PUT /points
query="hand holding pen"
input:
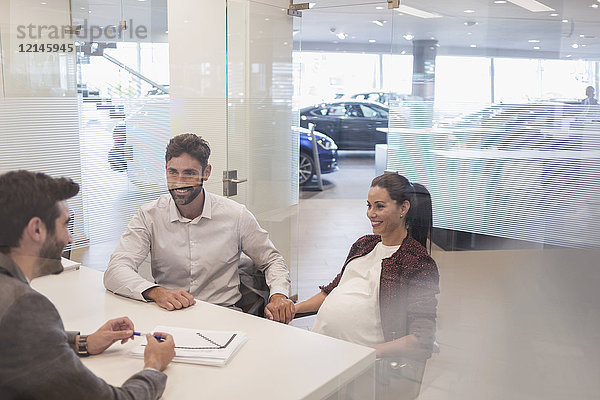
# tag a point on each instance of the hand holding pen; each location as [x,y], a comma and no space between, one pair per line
[118,329]
[156,336]
[159,353]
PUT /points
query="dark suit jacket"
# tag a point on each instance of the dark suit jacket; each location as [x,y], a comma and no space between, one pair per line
[36,359]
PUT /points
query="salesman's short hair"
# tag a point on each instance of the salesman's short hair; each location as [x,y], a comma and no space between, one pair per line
[25,195]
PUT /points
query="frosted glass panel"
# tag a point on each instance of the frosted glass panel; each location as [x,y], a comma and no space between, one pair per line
[262,147]
[516,171]
[40,134]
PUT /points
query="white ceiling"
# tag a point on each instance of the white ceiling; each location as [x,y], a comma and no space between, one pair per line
[495,29]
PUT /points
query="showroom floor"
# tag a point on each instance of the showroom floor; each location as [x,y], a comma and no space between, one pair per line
[512,324]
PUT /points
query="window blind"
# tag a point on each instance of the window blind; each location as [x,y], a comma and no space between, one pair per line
[525,171]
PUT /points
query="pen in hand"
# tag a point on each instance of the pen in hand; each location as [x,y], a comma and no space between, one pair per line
[158,337]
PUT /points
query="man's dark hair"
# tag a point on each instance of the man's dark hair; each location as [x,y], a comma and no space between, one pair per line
[191,144]
[25,195]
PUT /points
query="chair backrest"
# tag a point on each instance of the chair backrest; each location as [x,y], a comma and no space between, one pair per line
[253,287]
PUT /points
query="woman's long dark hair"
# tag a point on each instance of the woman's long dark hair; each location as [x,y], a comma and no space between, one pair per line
[420,215]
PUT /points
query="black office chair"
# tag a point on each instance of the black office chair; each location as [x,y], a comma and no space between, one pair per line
[254,289]
[305,314]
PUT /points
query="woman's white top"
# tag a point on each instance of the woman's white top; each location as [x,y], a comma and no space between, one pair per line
[351,311]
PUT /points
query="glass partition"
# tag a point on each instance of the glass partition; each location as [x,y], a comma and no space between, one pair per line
[123,77]
[505,142]
[38,104]
[491,105]
[262,147]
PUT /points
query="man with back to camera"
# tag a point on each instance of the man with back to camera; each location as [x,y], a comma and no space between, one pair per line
[38,358]
[589,100]
[195,239]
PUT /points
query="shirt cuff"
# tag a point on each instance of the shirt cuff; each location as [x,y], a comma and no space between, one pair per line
[142,288]
[278,291]
[153,369]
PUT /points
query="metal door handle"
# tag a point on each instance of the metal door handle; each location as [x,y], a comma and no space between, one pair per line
[230,181]
[235,180]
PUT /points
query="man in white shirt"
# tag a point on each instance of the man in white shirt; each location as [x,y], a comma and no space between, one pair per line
[195,239]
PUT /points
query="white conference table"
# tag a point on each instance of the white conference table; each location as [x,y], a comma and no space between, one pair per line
[277,362]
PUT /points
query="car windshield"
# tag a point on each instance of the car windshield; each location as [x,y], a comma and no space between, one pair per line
[319,111]
[371,112]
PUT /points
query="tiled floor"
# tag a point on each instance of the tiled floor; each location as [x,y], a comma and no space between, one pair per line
[512,324]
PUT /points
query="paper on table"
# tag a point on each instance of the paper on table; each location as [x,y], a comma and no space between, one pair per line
[69,264]
[198,346]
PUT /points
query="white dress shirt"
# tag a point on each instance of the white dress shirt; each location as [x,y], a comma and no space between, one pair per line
[200,256]
[351,311]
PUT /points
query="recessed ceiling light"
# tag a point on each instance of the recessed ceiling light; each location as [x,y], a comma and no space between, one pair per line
[473,45]
[594,6]
[469,11]
[533,41]
[408,36]
[43,3]
[575,45]
[403,52]
[500,1]
[378,22]
[536,47]
[372,40]
[583,45]
[565,20]
[471,23]
[82,8]
[554,15]
[379,8]
[469,33]
[568,55]
[341,36]
[581,36]
[532,5]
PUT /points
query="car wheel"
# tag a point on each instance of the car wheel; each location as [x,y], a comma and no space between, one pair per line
[306,168]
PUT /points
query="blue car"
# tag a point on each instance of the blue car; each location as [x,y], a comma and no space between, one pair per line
[328,155]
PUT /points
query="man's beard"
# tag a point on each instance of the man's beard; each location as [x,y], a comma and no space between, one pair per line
[50,257]
[183,199]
